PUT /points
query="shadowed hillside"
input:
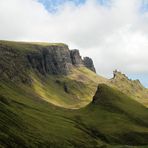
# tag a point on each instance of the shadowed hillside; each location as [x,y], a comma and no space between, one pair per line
[112,119]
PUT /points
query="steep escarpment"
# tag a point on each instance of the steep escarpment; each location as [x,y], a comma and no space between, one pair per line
[18,58]
[54,59]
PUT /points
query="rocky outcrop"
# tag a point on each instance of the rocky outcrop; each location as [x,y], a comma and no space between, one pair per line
[120,77]
[89,63]
[58,60]
[51,60]
[130,87]
[75,57]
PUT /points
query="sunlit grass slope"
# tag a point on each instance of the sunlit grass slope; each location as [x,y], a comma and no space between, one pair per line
[80,85]
[111,120]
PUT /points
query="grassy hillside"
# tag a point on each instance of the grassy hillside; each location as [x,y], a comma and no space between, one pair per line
[74,91]
[59,111]
[115,118]
[111,120]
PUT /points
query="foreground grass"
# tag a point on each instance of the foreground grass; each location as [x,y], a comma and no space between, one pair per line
[111,120]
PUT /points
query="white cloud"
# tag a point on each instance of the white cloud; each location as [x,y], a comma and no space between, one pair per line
[115,37]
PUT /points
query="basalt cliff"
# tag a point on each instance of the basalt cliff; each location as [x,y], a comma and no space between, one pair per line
[54,59]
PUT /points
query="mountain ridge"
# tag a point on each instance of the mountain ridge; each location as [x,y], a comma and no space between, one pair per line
[21,61]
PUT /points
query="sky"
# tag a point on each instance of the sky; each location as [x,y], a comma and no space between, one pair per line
[114,33]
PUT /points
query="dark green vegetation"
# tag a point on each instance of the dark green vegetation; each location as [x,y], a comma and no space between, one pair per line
[112,119]
[29,100]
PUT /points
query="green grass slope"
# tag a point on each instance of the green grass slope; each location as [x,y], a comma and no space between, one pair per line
[119,118]
[112,119]
[80,84]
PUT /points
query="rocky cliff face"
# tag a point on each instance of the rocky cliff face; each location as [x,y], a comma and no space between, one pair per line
[89,63]
[78,61]
[16,59]
[51,60]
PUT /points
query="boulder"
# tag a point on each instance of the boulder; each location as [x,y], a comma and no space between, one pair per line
[76,58]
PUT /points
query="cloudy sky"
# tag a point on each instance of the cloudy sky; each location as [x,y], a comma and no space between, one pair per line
[113,32]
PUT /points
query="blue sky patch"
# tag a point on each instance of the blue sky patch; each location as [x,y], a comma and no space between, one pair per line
[142,77]
[52,5]
[144,6]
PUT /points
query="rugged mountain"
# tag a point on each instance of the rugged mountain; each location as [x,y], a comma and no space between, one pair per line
[47,68]
[130,87]
[50,66]
[44,58]
[37,78]
[40,64]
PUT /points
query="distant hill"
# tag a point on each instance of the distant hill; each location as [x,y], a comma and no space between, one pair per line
[130,87]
